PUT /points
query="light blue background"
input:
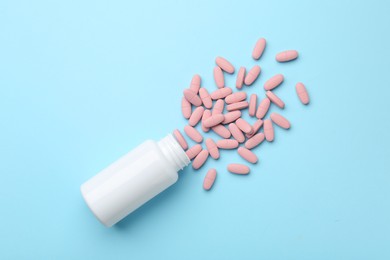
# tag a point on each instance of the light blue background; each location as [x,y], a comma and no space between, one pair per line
[83,82]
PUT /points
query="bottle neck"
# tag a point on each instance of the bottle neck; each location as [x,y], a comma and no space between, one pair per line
[173,152]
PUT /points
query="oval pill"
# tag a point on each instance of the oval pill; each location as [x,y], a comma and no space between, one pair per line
[256,126]
[238,168]
[240,78]
[180,139]
[212,148]
[285,56]
[244,126]
[302,93]
[268,130]
[280,120]
[195,83]
[235,97]
[236,133]
[209,179]
[275,99]
[205,97]
[193,134]
[206,115]
[263,108]
[258,49]
[196,116]
[227,144]
[254,141]
[247,154]
[192,97]
[218,107]
[200,159]
[273,82]
[237,106]
[221,93]
[194,151]
[231,116]
[214,120]
[186,108]
[252,75]
[218,77]
[224,64]
[221,131]
[252,105]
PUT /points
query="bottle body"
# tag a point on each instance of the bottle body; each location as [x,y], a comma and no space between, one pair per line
[134,179]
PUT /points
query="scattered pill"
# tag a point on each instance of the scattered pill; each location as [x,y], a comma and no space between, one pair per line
[302,93]
[237,106]
[196,116]
[218,77]
[285,56]
[192,97]
[221,131]
[263,108]
[218,107]
[224,64]
[194,151]
[275,99]
[205,97]
[244,126]
[258,49]
[221,93]
[240,78]
[206,115]
[209,179]
[280,120]
[227,144]
[268,130]
[247,154]
[193,134]
[200,159]
[212,148]
[254,141]
[214,120]
[180,139]
[252,105]
[252,75]
[185,108]
[235,97]
[273,82]
[236,133]
[231,117]
[256,127]
[238,168]
[195,83]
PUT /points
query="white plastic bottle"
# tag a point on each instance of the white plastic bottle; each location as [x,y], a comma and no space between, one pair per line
[134,179]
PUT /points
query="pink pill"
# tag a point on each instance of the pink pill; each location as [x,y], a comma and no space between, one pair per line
[227,144]
[231,117]
[218,107]
[185,108]
[192,97]
[302,93]
[221,93]
[206,115]
[224,64]
[244,126]
[256,127]
[286,56]
[254,141]
[263,108]
[247,155]
[180,139]
[268,130]
[194,151]
[258,49]
[196,116]
[214,120]
[252,75]
[212,148]
[238,168]
[205,97]
[236,133]
[193,134]
[209,179]
[275,99]
[240,78]
[280,121]
[221,131]
[237,106]
[235,97]
[200,159]
[218,77]
[273,82]
[195,83]
[252,105]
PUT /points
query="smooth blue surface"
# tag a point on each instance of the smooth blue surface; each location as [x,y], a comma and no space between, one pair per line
[83,82]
